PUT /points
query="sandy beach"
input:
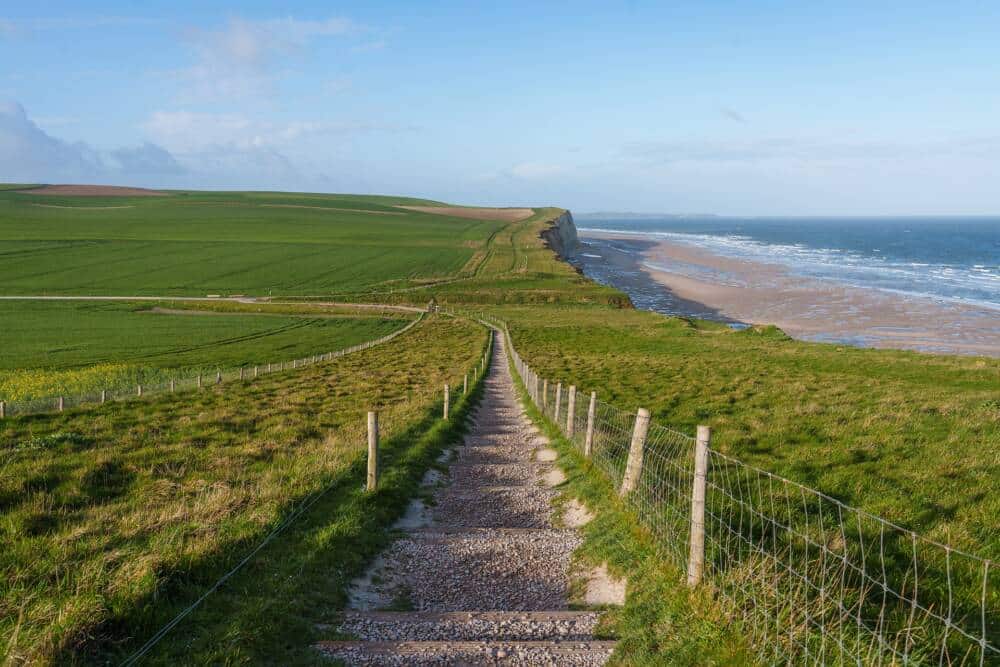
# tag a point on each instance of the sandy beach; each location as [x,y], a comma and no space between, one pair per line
[681,279]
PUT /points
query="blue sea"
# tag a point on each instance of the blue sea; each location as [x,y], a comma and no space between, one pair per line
[951,259]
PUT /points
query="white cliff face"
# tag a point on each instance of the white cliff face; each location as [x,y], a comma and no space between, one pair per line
[561,236]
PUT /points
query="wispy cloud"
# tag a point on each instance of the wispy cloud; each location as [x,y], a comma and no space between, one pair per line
[805,149]
[244,57]
[28,153]
[732,114]
[185,131]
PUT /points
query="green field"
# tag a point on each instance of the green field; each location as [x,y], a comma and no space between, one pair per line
[197,243]
[909,437]
[115,518]
[72,347]
[165,335]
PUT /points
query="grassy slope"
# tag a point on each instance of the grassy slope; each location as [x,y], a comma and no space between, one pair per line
[115,518]
[116,332]
[907,436]
[198,243]
[74,347]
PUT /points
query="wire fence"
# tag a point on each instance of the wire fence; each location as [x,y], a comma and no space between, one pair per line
[182,383]
[392,422]
[809,579]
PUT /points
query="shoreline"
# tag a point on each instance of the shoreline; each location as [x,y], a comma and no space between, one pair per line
[678,279]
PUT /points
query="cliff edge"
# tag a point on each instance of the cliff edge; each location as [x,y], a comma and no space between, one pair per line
[561,236]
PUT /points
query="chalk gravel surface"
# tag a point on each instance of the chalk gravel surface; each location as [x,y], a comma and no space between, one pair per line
[483,581]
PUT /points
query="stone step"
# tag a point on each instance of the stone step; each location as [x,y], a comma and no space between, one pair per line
[582,653]
[494,507]
[493,454]
[480,568]
[496,474]
[470,625]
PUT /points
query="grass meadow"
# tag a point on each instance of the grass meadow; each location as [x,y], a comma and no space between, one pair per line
[198,243]
[910,437]
[119,516]
[115,518]
[73,347]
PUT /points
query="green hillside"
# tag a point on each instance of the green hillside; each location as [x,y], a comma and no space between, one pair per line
[197,243]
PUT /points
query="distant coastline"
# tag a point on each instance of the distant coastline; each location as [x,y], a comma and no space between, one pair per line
[679,279]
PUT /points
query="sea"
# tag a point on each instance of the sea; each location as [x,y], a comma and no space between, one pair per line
[942,258]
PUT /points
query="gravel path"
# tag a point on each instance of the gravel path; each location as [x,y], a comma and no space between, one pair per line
[485,580]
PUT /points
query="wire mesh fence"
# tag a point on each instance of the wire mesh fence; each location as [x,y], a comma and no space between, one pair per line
[809,579]
[393,422]
[184,382]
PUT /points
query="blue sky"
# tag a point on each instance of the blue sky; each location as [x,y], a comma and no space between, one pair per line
[731,108]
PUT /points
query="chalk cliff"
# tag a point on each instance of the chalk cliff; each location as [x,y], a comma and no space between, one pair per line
[561,236]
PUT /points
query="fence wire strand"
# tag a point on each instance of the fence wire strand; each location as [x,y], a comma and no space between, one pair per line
[183,383]
[810,580]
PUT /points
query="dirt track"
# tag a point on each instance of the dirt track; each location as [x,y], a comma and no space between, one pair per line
[475,213]
[93,191]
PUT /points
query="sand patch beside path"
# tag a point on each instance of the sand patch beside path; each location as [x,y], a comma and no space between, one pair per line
[476,213]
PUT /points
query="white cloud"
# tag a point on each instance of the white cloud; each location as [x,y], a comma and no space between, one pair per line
[186,131]
[28,153]
[243,58]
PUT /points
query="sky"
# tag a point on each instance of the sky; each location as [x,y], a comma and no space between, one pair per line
[738,108]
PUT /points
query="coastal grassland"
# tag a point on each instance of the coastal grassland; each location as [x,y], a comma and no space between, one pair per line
[72,347]
[113,519]
[661,622]
[197,243]
[516,267]
[909,437]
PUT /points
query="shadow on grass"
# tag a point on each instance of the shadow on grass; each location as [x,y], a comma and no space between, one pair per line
[275,607]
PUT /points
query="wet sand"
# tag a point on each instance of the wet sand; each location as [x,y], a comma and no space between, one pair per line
[679,279]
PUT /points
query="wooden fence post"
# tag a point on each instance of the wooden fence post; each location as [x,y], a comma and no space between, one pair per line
[465,385]
[61,404]
[218,377]
[138,391]
[241,372]
[447,398]
[538,395]
[588,440]
[633,469]
[255,369]
[571,412]
[104,396]
[558,402]
[372,451]
[696,555]
[199,380]
[3,409]
[545,393]
[172,386]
